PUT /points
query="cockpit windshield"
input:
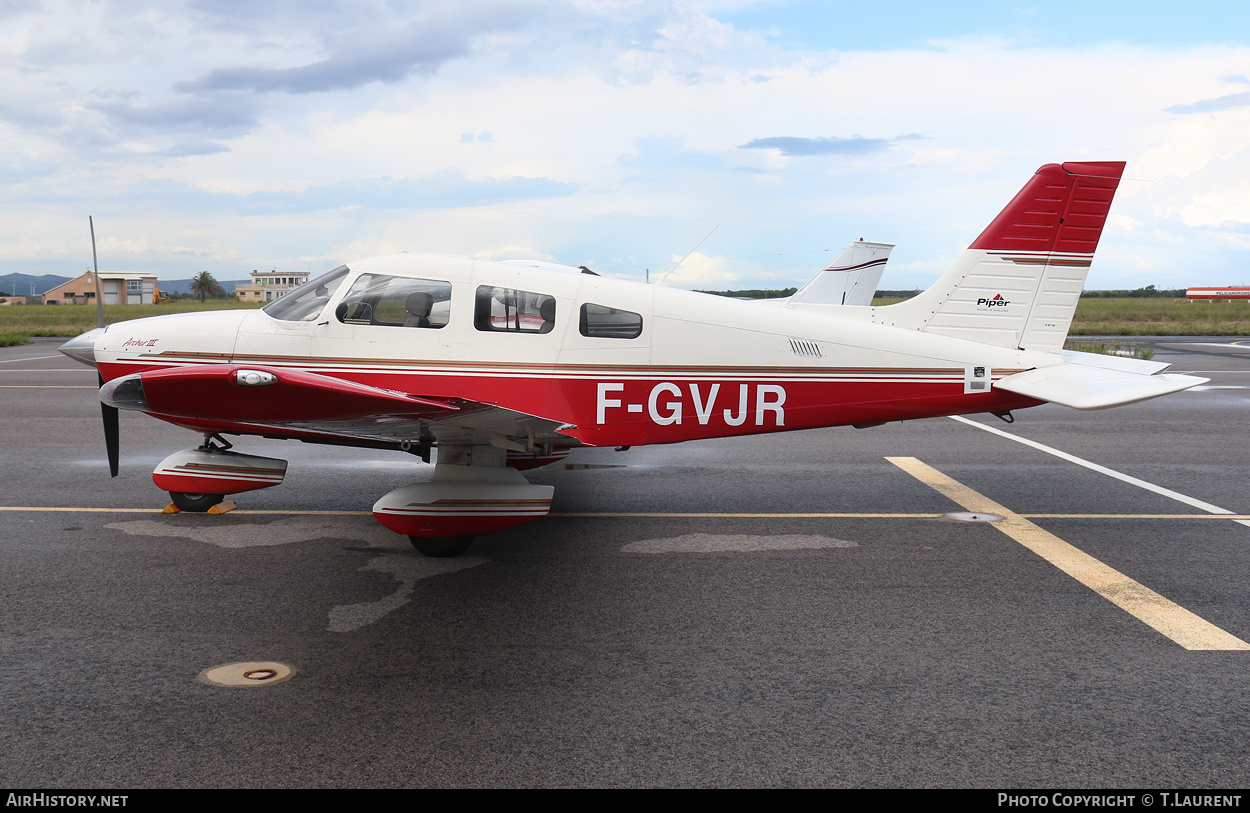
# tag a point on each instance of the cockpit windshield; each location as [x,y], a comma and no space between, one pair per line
[306,302]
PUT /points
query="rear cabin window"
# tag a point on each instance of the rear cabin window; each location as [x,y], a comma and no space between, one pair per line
[376,299]
[508,309]
[602,322]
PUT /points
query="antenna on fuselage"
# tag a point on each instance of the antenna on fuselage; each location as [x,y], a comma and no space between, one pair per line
[688,253]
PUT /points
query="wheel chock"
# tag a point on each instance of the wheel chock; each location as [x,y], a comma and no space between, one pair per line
[222,507]
[171,509]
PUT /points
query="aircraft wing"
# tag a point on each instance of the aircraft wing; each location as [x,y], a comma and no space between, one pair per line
[303,402]
[1091,381]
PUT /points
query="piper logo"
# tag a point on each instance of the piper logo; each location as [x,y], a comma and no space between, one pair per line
[986,304]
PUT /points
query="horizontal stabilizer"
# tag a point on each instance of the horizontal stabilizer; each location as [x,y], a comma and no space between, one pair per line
[1122,364]
[1082,386]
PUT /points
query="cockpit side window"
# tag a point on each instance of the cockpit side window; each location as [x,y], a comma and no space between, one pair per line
[306,302]
[602,322]
[507,309]
[377,299]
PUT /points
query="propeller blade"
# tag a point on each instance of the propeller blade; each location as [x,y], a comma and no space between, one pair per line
[112,440]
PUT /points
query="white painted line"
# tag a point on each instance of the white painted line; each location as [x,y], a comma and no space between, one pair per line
[29,358]
[1165,616]
[1203,388]
[1165,492]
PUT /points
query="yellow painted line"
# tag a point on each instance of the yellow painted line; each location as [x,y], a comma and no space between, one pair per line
[572,514]
[679,515]
[670,514]
[306,513]
[1167,617]
[160,510]
[85,510]
[892,515]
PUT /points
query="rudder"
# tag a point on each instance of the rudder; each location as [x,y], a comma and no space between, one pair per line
[1019,282]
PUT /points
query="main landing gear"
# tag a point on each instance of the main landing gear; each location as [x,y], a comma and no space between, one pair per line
[473,491]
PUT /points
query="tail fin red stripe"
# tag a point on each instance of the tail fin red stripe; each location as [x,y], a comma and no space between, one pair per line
[1063,207]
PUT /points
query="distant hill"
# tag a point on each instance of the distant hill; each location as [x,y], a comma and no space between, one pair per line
[183,286]
[16,284]
[29,285]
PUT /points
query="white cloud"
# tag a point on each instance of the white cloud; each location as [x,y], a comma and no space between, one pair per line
[636,113]
[697,270]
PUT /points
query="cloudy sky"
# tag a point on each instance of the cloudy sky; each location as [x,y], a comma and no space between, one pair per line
[224,135]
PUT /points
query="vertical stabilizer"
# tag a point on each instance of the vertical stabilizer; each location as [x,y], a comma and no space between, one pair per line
[851,279]
[1018,284]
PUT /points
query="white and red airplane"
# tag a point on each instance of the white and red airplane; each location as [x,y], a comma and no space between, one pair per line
[507,366]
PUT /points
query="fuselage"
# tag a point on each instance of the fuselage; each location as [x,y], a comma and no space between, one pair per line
[622,363]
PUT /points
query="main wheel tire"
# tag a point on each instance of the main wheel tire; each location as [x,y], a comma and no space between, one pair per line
[195,503]
[441,547]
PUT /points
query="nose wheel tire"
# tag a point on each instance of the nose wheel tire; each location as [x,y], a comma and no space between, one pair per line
[195,503]
[442,547]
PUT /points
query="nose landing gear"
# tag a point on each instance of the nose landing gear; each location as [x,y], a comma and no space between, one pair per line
[195,503]
[198,479]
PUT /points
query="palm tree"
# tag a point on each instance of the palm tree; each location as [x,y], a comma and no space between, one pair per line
[203,285]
